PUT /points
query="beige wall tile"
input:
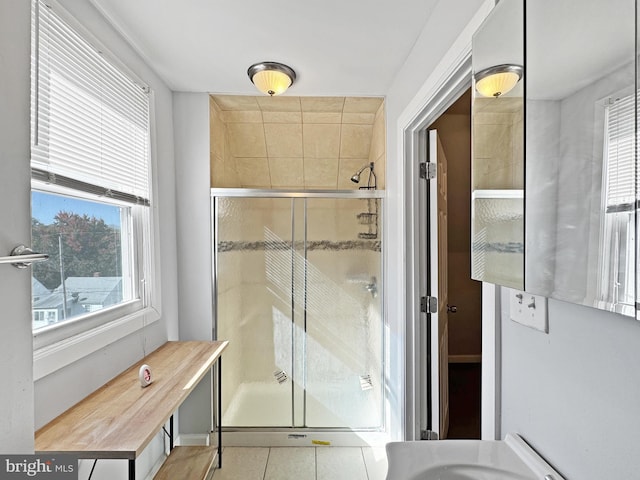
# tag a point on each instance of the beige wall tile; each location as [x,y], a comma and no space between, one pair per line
[282,117]
[380,167]
[321,140]
[378,139]
[217,171]
[247,140]
[493,141]
[283,140]
[230,173]
[362,104]
[492,118]
[218,135]
[355,141]
[321,117]
[234,116]
[322,104]
[279,104]
[321,173]
[361,118]
[253,172]
[236,102]
[286,172]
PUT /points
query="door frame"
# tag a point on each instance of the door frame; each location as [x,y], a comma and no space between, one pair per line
[431,102]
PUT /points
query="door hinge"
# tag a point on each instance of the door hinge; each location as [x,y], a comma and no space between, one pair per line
[428,170]
[428,304]
[428,435]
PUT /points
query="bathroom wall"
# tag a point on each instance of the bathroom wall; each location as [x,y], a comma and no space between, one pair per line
[573,393]
[295,142]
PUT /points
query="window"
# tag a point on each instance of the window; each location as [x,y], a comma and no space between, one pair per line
[617,277]
[90,167]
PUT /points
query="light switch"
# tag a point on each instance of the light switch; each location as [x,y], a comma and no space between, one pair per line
[529,310]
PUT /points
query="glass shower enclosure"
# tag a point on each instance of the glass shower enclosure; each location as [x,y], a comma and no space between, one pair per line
[297,279]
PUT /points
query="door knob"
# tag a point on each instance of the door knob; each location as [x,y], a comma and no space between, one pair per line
[452,308]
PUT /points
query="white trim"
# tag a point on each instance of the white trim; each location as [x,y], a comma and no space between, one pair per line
[443,86]
[47,360]
[156,467]
[282,439]
[191,439]
[491,378]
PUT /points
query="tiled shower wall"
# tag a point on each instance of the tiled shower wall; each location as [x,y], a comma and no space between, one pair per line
[296,142]
[498,143]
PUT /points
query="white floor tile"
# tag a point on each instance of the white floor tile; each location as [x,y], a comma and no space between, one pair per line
[340,463]
[375,459]
[242,463]
[291,463]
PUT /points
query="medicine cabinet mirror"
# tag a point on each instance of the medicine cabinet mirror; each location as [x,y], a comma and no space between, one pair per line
[580,186]
[497,176]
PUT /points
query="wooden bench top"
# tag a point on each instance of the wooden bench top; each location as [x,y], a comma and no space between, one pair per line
[119,419]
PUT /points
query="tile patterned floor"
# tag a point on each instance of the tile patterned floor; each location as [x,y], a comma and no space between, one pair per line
[303,463]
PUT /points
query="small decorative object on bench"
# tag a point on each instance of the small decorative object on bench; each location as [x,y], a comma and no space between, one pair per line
[145,375]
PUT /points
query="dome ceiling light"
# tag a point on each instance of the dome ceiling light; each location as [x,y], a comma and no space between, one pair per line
[271,78]
[498,80]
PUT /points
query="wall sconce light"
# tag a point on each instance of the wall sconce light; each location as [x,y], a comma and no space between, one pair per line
[271,78]
[498,80]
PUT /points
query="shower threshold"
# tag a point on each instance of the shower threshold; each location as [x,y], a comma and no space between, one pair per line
[301,437]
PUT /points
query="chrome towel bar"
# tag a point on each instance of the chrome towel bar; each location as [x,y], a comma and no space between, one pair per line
[22,257]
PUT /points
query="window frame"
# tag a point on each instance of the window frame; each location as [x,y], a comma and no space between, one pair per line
[63,343]
[609,295]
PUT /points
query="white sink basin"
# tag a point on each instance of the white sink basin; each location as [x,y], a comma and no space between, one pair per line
[511,459]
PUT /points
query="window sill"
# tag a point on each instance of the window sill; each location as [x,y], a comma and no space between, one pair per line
[50,358]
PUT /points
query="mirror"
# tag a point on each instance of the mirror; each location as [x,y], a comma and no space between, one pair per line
[580,189]
[497,173]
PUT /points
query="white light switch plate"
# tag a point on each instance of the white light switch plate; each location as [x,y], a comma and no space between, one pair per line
[529,310]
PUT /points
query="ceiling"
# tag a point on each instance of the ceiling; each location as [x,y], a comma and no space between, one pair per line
[336,47]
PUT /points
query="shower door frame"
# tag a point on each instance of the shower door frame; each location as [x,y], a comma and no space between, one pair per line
[300,436]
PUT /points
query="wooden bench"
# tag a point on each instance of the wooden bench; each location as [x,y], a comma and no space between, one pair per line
[120,419]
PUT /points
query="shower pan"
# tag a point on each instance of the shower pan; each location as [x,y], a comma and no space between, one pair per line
[298,296]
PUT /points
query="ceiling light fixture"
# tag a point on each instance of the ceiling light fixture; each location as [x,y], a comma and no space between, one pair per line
[271,78]
[497,81]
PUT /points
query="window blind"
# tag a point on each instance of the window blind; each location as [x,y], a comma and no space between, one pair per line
[91,121]
[620,148]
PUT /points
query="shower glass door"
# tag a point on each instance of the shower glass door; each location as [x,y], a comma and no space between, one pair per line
[298,281]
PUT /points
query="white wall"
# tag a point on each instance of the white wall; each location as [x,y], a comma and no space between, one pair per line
[573,394]
[405,99]
[192,138]
[54,393]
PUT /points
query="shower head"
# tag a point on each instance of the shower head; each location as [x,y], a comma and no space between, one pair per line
[355,178]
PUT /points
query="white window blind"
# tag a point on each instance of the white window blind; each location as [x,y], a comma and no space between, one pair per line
[91,121]
[620,154]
